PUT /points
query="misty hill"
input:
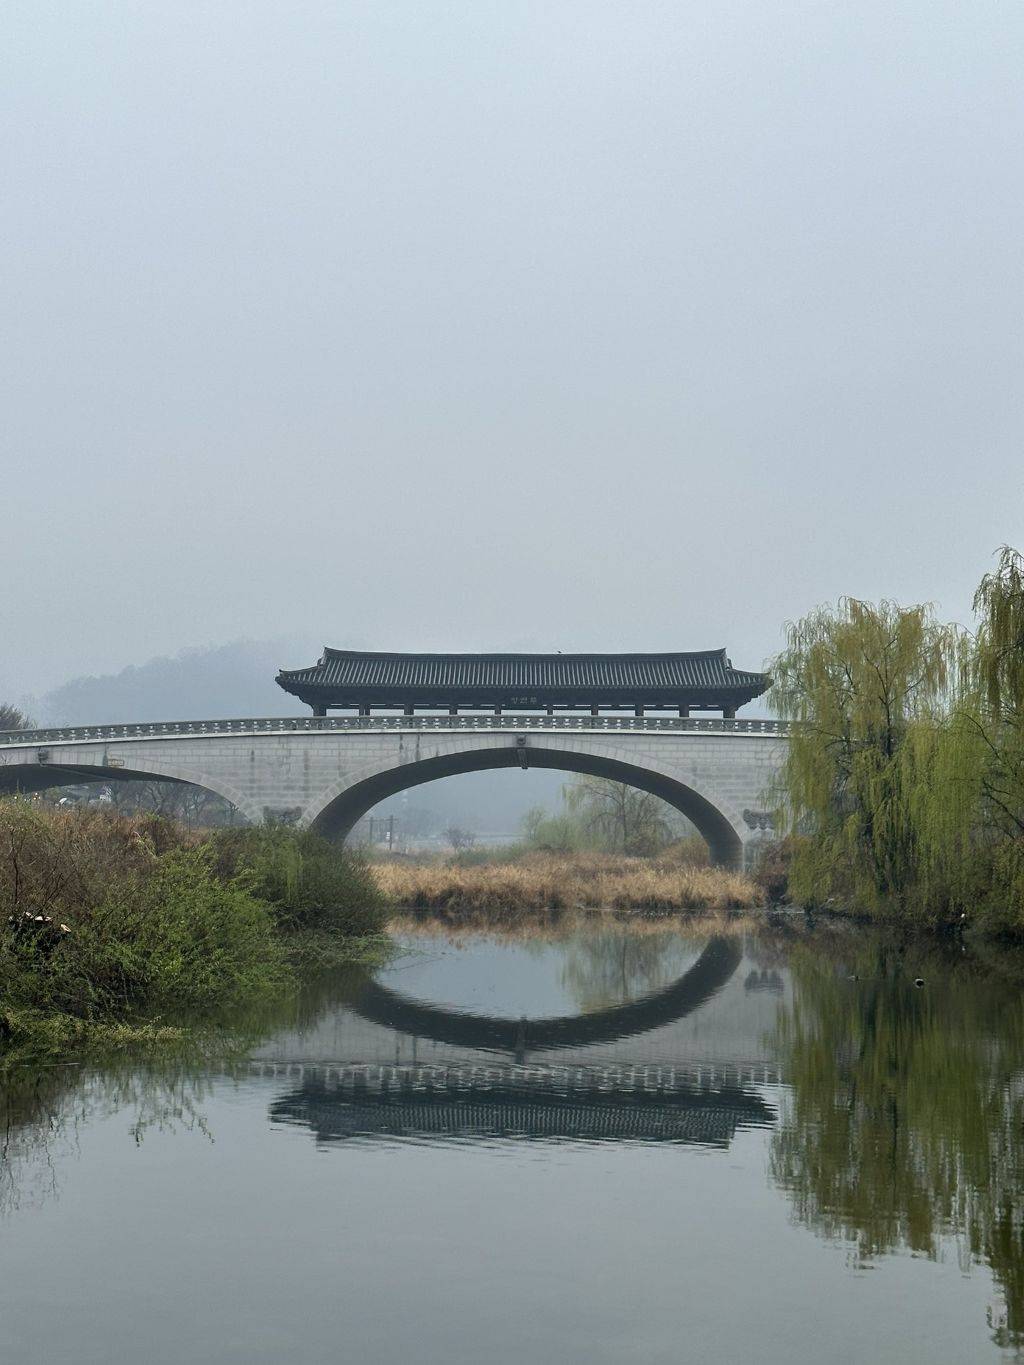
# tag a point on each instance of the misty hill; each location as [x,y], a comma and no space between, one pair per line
[198,684]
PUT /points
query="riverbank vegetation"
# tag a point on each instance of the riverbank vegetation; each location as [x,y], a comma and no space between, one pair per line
[903,791]
[115,928]
[608,847]
[547,881]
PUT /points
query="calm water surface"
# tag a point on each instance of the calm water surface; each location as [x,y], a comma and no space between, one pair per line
[588,1144]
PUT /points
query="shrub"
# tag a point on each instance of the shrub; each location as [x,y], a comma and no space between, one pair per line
[309,883]
[771,874]
[105,918]
[60,862]
[171,937]
[185,937]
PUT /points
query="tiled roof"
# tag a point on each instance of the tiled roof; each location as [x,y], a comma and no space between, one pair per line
[353,670]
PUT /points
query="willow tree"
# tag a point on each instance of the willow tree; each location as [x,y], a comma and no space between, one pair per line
[999,602]
[872,688]
[998,722]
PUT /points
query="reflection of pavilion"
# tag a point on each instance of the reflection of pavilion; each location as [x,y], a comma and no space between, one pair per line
[642,1104]
[480,1077]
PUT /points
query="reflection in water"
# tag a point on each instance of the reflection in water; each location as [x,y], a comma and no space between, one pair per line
[547,1099]
[418,1019]
[548,1104]
[600,970]
[764,981]
[905,1115]
[889,1119]
[42,1112]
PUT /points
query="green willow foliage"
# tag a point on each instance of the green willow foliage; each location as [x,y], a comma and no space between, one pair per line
[998,725]
[1000,603]
[905,775]
[870,688]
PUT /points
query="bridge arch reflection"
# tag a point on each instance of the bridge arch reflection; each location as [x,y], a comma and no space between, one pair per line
[519,1080]
[492,1033]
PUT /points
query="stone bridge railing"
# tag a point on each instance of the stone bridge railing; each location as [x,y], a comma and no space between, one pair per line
[71,734]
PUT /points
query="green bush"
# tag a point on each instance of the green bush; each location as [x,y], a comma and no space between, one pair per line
[106,920]
[309,883]
[174,938]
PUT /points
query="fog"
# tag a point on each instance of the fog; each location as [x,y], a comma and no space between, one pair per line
[501,325]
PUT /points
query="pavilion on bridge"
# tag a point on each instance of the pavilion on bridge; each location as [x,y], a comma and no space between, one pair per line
[354,680]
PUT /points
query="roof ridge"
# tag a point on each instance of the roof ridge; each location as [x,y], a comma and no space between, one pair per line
[519,654]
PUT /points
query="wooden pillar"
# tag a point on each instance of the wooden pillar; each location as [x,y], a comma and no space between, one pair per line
[408,711]
[497,710]
[593,710]
[453,710]
[729,712]
[364,710]
[551,710]
[684,712]
[638,710]
[319,710]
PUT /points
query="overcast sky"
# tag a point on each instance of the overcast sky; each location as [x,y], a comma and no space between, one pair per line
[500,325]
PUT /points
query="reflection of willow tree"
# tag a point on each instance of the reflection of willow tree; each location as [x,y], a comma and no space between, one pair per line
[604,969]
[906,1109]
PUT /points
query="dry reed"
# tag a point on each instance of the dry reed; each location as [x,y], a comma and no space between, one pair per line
[460,928]
[566,882]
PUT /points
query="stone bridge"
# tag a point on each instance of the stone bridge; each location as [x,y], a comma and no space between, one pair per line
[326,772]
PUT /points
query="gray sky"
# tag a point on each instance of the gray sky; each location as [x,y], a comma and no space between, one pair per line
[501,325]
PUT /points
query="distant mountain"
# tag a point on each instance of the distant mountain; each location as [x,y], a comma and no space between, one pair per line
[198,684]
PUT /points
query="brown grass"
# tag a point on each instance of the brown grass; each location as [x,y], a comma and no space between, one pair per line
[463,927]
[565,882]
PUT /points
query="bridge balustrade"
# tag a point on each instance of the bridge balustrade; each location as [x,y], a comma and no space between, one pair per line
[321,724]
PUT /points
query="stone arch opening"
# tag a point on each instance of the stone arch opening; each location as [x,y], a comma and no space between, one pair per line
[27,779]
[338,816]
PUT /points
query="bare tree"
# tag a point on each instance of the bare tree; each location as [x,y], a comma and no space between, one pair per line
[192,806]
[12,718]
[460,840]
[626,819]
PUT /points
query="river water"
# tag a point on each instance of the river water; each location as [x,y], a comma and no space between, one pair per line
[580,1143]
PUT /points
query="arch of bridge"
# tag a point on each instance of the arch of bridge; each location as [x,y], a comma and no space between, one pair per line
[198,778]
[339,807]
[27,779]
